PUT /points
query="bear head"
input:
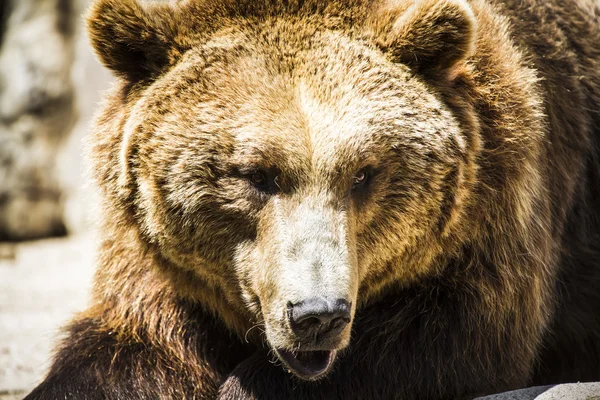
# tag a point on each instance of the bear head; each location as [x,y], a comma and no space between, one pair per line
[293,156]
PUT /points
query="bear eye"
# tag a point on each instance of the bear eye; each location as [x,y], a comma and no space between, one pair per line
[360,179]
[259,179]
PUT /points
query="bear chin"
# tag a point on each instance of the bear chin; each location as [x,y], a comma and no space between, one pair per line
[307,365]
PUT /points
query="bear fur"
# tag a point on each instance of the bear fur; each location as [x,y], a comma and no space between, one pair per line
[437,162]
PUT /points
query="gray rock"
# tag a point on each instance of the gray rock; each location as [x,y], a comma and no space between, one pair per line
[37,114]
[572,391]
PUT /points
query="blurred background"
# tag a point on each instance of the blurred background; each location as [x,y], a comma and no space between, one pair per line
[50,85]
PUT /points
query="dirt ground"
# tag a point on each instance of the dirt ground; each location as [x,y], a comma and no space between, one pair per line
[42,284]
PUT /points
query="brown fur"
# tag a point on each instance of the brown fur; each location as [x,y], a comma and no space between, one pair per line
[471,258]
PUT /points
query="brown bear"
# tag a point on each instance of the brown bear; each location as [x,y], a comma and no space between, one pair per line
[342,199]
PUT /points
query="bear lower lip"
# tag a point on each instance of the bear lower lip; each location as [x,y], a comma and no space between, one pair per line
[307,365]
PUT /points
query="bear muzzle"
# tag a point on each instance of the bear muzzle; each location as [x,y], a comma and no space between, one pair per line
[316,320]
[317,324]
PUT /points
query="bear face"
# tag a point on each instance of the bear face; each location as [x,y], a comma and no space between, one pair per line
[267,158]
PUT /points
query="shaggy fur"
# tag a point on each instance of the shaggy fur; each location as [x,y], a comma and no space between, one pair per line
[471,257]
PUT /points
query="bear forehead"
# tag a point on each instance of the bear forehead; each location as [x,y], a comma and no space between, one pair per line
[278,95]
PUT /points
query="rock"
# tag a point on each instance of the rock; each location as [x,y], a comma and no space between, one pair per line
[37,114]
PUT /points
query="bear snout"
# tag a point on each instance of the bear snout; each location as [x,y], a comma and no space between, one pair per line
[318,322]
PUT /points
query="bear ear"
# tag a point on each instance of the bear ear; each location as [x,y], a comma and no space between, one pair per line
[428,35]
[134,42]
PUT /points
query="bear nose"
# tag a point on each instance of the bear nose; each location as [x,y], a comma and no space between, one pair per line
[317,318]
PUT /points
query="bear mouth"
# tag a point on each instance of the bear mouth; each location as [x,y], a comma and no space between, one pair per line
[308,365]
